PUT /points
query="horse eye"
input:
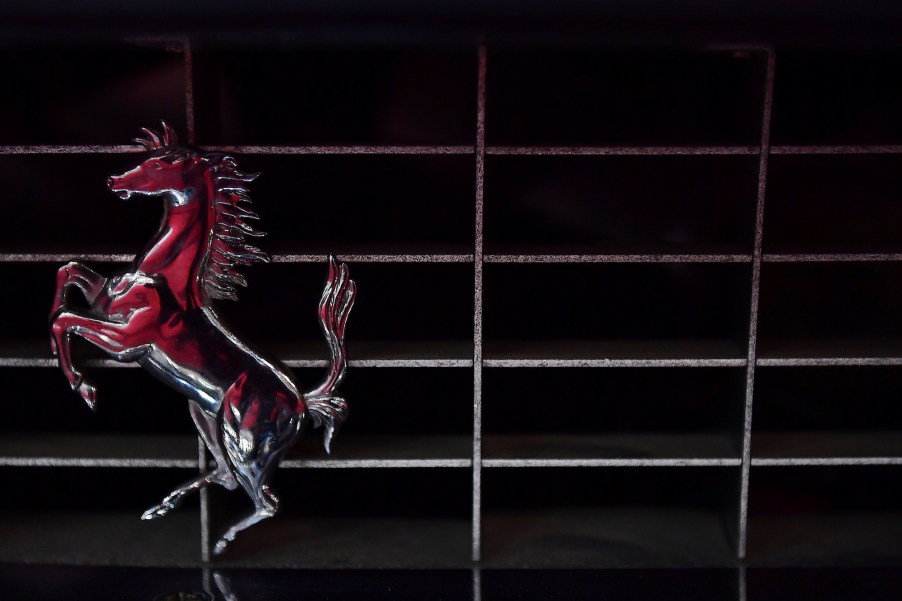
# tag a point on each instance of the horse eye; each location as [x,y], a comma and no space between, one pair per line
[157,165]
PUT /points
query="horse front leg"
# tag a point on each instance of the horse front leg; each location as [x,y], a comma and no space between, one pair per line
[116,338]
[82,277]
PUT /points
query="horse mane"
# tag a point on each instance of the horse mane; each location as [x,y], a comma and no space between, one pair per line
[230,226]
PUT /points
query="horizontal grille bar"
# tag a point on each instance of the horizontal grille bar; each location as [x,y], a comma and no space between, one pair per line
[118,462]
[799,461]
[604,258]
[495,258]
[614,362]
[613,462]
[826,361]
[97,462]
[830,257]
[298,363]
[620,150]
[373,463]
[278,258]
[464,149]
[342,149]
[862,149]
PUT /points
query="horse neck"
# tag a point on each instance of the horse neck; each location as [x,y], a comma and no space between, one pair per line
[179,248]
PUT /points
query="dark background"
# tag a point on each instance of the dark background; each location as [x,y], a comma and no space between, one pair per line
[570,73]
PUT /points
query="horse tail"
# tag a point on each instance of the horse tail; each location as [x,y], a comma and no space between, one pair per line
[326,409]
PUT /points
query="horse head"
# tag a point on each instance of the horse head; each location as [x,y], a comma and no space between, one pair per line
[211,193]
[171,170]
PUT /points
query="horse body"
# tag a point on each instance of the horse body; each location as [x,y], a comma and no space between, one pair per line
[248,410]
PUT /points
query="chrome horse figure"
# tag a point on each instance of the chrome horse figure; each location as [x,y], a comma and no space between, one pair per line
[248,410]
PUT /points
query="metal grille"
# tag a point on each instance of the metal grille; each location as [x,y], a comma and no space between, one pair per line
[522,464]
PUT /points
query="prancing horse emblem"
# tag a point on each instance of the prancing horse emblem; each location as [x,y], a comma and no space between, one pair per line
[249,411]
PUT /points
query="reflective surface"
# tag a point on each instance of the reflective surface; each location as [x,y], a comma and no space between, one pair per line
[84,583]
[157,312]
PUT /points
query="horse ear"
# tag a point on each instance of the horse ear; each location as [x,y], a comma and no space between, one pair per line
[152,137]
[170,138]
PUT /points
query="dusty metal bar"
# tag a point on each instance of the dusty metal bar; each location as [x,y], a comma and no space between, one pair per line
[72,149]
[375,258]
[859,149]
[476,551]
[604,258]
[513,363]
[373,463]
[124,462]
[614,362]
[316,363]
[202,458]
[426,258]
[121,462]
[741,583]
[62,257]
[380,150]
[462,150]
[206,578]
[188,57]
[391,363]
[614,462]
[238,149]
[790,461]
[830,257]
[620,150]
[690,150]
[202,462]
[28,362]
[753,312]
[826,361]
[279,258]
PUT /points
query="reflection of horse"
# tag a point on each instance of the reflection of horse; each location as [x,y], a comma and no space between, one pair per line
[157,312]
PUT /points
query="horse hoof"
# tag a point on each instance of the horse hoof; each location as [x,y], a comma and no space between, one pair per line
[89,393]
[220,547]
[155,513]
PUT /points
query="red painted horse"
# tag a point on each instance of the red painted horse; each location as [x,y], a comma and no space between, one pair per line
[248,410]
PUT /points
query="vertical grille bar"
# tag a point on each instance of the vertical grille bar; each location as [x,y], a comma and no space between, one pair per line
[204,504]
[742,595]
[189,91]
[753,314]
[202,458]
[477,307]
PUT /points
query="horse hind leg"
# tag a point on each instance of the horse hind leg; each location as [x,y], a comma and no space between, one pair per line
[208,431]
[253,453]
[252,471]
[174,499]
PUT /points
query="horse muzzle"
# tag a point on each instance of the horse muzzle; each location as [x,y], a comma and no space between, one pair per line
[112,184]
